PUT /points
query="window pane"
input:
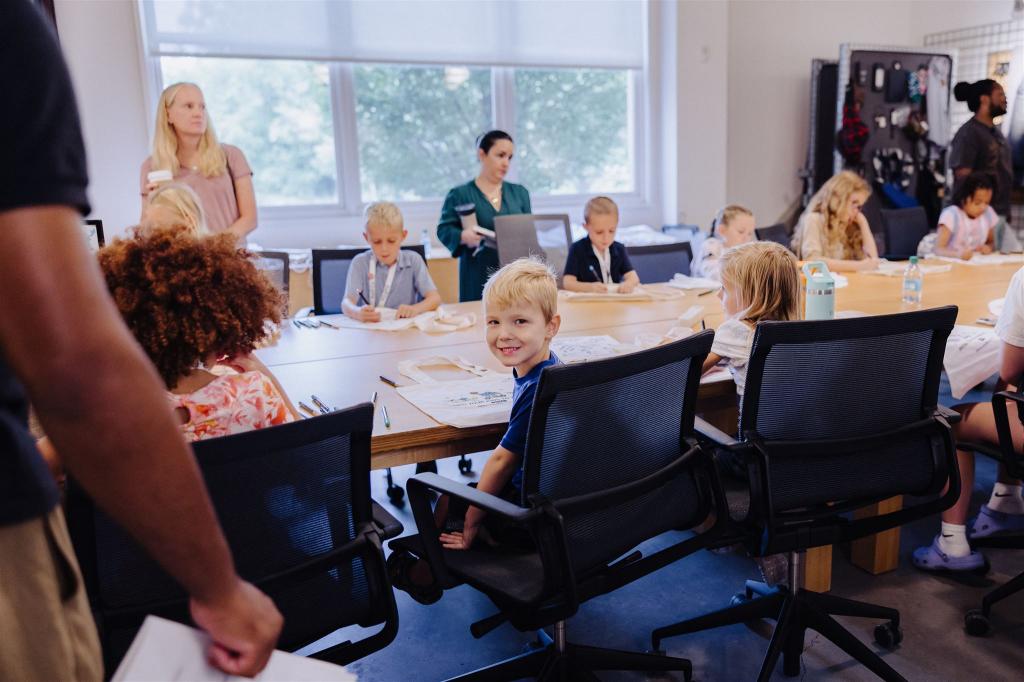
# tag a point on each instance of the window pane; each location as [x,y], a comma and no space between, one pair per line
[417,128]
[278,113]
[573,131]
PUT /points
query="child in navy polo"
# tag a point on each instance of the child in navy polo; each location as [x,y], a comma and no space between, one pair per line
[597,260]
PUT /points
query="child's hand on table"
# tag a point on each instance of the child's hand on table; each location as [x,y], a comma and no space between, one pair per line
[405,310]
[627,287]
[369,314]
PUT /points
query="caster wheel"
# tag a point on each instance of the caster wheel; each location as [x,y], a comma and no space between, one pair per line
[465,466]
[739,598]
[397,496]
[977,623]
[888,635]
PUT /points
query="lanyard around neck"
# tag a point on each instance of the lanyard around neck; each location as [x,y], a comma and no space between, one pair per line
[388,281]
[606,263]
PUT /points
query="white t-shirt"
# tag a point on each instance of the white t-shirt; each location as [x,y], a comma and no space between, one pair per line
[1010,327]
[732,343]
[966,232]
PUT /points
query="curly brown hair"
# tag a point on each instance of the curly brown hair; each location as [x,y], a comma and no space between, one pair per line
[186,300]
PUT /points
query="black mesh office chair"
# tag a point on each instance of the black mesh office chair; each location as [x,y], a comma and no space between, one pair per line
[610,462]
[774,233]
[294,503]
[330,273]
[904,228]
[977,622]
[660,262]
[837,415]
[277,266]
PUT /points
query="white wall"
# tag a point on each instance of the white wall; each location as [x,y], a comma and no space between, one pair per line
[100,43]
[702,106]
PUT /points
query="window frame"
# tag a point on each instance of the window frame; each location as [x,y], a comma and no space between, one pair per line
[279,223]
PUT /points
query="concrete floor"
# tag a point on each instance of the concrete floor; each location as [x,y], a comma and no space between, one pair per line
[434,641]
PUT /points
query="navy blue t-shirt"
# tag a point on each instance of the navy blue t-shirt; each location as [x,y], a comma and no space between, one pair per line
[42,162]
[519,419]
[582,264]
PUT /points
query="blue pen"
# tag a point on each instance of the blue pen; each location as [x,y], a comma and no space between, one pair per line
[594,273]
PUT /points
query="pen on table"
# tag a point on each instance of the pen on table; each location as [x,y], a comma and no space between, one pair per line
[315,324]
[387,419]
[304,324]
[306,408]
[361,297]
[373,399]
[707,291]
[327,324]
[319,403]
[296,323]
[702,325]
[387,381]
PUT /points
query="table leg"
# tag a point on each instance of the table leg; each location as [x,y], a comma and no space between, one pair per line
[878,553]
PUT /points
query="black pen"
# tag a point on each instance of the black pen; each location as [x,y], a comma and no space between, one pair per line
[362,298]
[296,323]
[387,381]
[319,403]
[702,326]
[707,291]
[327,324]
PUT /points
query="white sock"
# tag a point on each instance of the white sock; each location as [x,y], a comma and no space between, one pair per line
[1006,498]
[953,540]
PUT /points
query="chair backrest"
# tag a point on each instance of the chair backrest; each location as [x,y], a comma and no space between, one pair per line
[608,423]
[330,272]
[547,236]
[774,233]
[841,381]
[276,265]
[904,228]
[285,496]
[660,262]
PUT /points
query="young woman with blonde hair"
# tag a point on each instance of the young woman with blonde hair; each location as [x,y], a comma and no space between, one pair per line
[833,229]
[185,144]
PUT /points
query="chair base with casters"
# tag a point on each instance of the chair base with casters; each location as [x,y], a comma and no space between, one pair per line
[796,610]
[977,621]
[559,659]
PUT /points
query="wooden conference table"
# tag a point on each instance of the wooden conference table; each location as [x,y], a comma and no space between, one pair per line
[342,367]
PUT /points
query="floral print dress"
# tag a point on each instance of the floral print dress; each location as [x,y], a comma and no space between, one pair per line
[232,403]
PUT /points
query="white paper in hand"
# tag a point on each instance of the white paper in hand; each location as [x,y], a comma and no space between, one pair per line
[168,651]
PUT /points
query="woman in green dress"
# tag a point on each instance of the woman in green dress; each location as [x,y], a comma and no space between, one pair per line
[492,197]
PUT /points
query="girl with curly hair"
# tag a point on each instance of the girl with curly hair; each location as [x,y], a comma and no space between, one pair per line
[833,229]
[193,304]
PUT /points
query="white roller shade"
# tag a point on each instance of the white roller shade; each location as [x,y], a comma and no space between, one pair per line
[538,33]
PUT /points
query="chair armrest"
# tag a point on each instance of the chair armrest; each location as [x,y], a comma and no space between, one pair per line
[951,416]
[421,483]
[719,437]
[390,527]
[1013,396]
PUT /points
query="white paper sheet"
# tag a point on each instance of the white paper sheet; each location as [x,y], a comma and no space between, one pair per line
[980,259]
[167,651]
[464,403]
[438,321]
[896,269]
[388,322]
[972,355]
[571,349]
[638,294]
[681,281]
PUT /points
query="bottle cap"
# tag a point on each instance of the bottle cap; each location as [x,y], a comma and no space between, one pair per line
[913,260]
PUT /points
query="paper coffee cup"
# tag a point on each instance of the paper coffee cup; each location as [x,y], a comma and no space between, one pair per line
[159,176]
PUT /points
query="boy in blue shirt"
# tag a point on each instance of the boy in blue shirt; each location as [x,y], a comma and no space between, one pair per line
[520,308]
[597,260]
[387,276]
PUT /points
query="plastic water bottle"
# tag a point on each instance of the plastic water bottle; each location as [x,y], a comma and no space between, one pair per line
[425,240]
[912,282]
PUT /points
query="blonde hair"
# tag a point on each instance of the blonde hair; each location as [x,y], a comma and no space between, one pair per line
[526,280]
[600,205]
[384,213]
[185,205]
[212,159]
[764,277]
[727,214]
[831,202]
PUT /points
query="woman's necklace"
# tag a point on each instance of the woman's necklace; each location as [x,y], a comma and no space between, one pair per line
[495,199]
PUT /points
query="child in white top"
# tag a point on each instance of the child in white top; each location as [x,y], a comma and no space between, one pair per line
[1004,511]
[967,226]
[733,225]
[759,282]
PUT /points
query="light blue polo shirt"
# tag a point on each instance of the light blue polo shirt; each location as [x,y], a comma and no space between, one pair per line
[412,281]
